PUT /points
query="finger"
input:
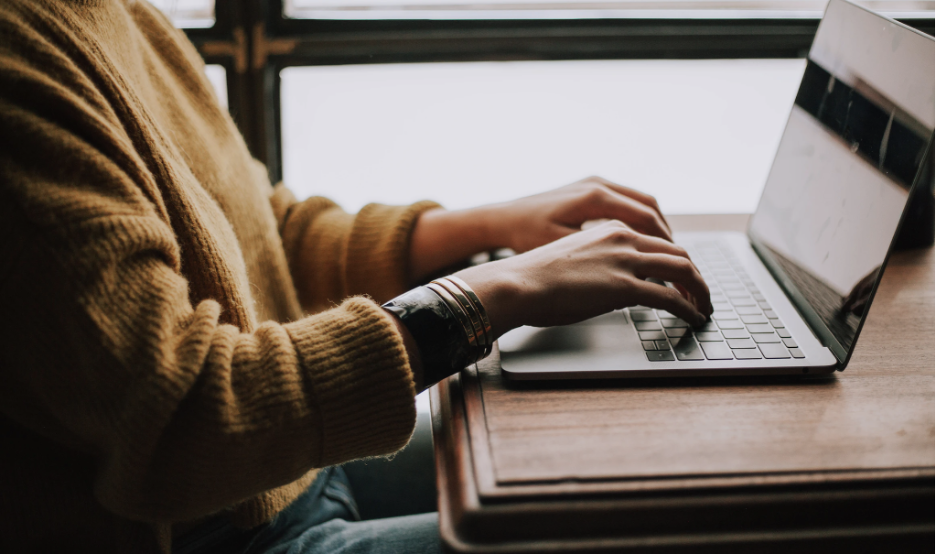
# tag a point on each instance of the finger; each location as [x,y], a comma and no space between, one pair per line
[665,298]
[682,290]
[655,245]
[647,243]
[641,197]
[610,205]
[679,271]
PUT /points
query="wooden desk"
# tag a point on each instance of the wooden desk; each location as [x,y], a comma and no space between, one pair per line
[728,464]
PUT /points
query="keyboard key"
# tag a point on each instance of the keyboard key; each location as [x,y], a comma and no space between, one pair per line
[687,350]
[776,323]
[771,314]
[790,343]
[665,356]
[651,335]
[784,333]
[717,351]
[665,314]
[671,323]
[708,336]
[730,324]
[797,353]
[763,305]
[690,355]
[742,293]
[759,297]
[731,286]
[753,319]
[735,334]
[678,332]
[647,326]
[747,354]
[662,344]
[774,351]
[648,345]
[743,301]
[761,337]
[724,314]
[709,326]
[760,328]
[719,306]
[741,343]
[748,310]
[642,315]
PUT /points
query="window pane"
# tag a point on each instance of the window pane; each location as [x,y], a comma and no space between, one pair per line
[188,14]
[518,9]
[218,77]
[700,135]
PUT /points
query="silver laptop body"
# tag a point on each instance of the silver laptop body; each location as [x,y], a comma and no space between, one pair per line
[792,293]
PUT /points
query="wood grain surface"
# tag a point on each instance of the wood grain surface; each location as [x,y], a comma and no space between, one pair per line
[524,462]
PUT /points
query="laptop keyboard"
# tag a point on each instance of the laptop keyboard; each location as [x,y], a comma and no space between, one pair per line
[743,325]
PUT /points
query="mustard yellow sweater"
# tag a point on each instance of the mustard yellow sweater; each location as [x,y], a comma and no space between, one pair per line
[156,365]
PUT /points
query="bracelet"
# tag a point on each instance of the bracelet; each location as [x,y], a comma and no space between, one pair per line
[439,335]
[448,323]
[479,310]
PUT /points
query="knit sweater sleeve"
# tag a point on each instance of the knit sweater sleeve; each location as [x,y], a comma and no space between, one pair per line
[105,351]
[333,254]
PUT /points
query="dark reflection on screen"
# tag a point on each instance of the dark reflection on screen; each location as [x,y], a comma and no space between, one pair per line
[835,194]
[877,130]
[841,314]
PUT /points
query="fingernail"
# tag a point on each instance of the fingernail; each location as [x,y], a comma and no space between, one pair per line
[700,320]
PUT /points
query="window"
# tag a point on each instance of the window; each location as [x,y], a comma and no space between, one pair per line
[188,14]
[552,9]
[698,134]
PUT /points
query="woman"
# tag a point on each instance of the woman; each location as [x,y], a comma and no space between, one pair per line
[186,344]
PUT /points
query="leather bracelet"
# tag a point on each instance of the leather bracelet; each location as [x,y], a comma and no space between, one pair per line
[440,336]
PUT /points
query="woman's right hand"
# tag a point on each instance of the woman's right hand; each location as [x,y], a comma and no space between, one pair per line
[587,274]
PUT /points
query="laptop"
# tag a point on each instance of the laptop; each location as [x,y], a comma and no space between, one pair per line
[791,294]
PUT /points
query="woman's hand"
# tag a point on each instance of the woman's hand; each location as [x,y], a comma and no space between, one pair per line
[442,238]
[587,274]
[536,220]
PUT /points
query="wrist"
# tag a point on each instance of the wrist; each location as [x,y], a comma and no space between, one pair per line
[500,290]
[491,226]
[445,238]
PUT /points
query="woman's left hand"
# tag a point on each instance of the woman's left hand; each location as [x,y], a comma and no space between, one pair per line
[443,238]
[536,220]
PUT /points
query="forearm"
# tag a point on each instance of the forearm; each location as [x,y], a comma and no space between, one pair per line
[443,238]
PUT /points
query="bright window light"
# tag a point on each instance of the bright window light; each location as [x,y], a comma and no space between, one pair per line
[699,135]
[188,14]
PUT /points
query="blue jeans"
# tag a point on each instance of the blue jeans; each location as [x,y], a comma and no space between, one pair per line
[326,518]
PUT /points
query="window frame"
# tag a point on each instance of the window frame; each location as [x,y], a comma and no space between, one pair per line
[254,41]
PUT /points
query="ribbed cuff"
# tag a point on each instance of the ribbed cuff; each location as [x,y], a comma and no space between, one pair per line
[358,372]
[378,249]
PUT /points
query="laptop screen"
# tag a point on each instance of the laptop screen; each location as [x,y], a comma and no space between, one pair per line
[857,137]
